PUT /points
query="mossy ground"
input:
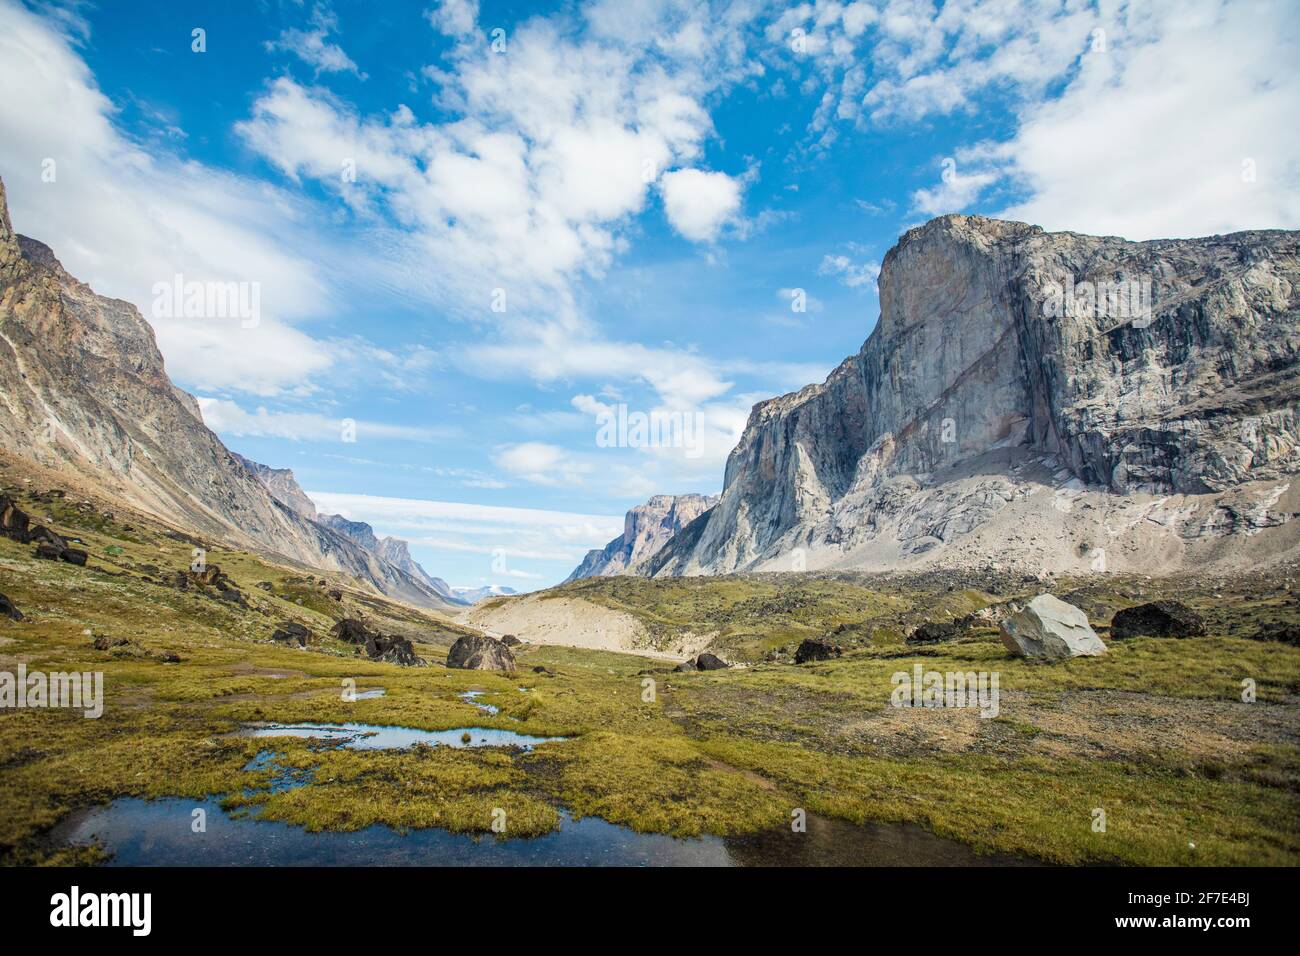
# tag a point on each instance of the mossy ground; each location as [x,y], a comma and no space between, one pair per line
[1155,732]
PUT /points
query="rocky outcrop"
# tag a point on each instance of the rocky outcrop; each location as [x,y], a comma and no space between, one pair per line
[478,652]
[280,482]
[393,552]
[646,529]
[1002,411]
[1048,629]
[1157,619]
[84,390]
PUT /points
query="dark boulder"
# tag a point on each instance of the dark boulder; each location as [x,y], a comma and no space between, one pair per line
[335,594]
[351,631]
[933,633]
[291,632]
[814,650]
[704,662]
[9,610]
[106,643]
[1157,619]
[49,552]
[511,641]
[393,650]
[478,652]
[539,669]
[1285,633]
[74,556]
[13,520]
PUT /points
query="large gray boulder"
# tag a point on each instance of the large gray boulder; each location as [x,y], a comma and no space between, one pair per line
[1048,629]
[478,652]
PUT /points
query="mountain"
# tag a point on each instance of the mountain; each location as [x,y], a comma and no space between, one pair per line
[474,595]
[646,528]
[282,485]
[1018,403]
[83,390]
[392,550]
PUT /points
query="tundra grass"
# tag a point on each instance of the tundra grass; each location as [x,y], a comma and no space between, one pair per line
[1156,733]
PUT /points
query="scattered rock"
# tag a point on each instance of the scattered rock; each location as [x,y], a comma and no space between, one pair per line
[1049,629]
[1157,619]
[478,652]
[7,609]
[351,631]
[704,662]
[378,647]
[1286,633]
[933,633]
[336,594]
[13,520]
[511,641]
[48,552]
[106,643]
[814,650]
[393,650]
[266,585]
[291,632]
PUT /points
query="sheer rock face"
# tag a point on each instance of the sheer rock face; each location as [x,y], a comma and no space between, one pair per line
[646,529]
[976,404]
[84,389]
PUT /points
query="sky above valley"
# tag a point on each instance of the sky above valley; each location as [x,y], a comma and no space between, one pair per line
[480,237]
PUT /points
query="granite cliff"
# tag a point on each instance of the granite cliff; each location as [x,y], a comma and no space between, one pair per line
[1051,401]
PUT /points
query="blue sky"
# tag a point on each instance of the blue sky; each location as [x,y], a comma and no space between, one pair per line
[641,189]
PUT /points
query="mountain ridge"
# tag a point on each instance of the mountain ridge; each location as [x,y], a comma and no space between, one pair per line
[85,390]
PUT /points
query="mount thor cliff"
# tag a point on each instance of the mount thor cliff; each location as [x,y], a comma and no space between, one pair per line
[1010,410]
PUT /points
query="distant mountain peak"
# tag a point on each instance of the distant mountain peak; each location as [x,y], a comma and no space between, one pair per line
[646,529]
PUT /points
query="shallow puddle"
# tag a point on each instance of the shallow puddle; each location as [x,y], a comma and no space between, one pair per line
[470,697]
[158,833]
[374,737]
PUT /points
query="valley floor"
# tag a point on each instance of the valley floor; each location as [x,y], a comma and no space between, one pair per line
[1155,733]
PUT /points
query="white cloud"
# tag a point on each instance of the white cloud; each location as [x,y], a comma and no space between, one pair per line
[700,203]
[121,218]
[532,534]
[543,464]
[454,18]
[1157,136]
[855,275]
[313,46]
[227,417]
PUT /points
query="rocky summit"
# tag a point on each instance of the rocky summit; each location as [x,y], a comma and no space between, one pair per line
[646,529]
[1045,401]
